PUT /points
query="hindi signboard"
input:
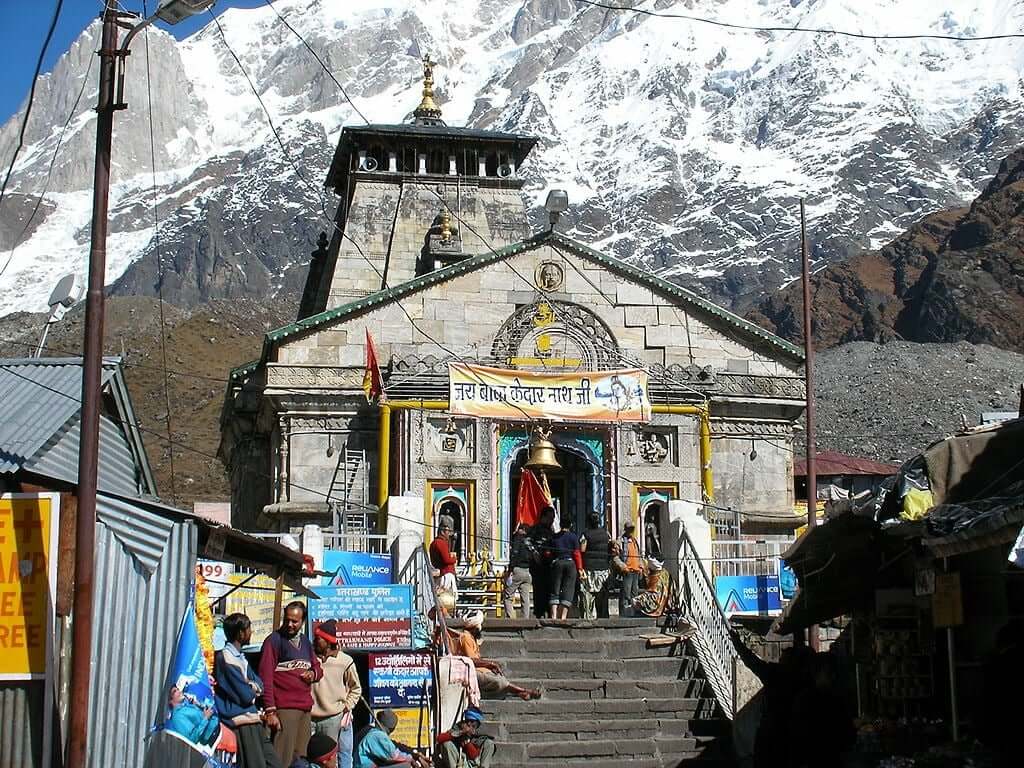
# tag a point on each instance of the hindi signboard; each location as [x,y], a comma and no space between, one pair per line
[400,679]
[356,569]
[500,393]
[28,579]
[368,618]
[748,594]
[255,598]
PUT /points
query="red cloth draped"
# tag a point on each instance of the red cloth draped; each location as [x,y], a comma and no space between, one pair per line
[531,500]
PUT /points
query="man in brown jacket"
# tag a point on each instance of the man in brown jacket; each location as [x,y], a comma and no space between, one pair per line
[336,694]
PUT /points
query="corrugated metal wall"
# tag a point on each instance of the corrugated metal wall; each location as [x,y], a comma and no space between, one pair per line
[21,724]
[144,568]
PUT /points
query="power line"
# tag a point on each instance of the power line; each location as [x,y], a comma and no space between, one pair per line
[159,262]
[797,27]
[320,61]
[31,98]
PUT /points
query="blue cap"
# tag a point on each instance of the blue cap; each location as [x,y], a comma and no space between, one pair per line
[473,714]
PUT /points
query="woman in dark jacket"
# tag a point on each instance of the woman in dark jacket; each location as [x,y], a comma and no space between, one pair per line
[566,563]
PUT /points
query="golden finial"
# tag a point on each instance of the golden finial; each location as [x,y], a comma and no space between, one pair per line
[446,225]
[428,112]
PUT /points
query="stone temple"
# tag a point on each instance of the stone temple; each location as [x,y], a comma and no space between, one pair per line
[433,258]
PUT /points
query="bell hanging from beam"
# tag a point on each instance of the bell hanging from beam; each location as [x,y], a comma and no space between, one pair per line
[542,452]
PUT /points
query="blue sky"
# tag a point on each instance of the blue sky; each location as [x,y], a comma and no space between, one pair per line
[23,29]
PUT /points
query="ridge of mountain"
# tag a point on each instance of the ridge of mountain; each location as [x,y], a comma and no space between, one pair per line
[684,147]
[957,275]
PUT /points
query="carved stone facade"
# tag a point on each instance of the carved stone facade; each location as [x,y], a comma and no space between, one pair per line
[463,284]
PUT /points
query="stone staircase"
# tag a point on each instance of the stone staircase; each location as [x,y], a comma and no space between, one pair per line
[609,699]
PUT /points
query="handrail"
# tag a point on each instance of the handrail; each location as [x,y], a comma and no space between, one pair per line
[417,572]
[712,641]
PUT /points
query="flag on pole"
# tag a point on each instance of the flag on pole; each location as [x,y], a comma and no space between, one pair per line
[373,383]
[532,498]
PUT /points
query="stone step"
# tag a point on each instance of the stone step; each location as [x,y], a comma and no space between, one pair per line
[521,753]
[582,688]
[682,708]
[596,728]
[554,646]
[657,668]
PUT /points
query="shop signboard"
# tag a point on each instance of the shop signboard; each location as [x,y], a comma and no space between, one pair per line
[400,679]
[356,569]
[748,594]
[216,574]
[413,727]
[500,393]
[28,579]
[368,618]
[254,598]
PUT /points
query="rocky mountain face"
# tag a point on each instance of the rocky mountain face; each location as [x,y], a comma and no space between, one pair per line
[684,147]
[957,275]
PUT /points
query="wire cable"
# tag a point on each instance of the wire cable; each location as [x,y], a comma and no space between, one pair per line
[31,100]
[796,28]
[159,263]
[320,61]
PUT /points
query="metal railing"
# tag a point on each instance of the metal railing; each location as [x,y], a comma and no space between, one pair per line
[747,558]
[711,642]
[356,542]
[418,573]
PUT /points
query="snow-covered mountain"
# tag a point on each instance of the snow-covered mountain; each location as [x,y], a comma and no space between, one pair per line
[684,146]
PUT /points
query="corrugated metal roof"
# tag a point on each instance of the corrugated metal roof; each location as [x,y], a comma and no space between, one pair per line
[39,397]
[118,472]
[835,463]
[40,429]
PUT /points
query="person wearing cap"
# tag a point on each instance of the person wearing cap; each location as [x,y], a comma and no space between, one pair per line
[374,747]
[464,745]
[442,559]
[336,694]
[321,752]
[633,568]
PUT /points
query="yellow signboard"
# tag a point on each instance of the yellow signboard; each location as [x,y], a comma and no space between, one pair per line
[413,727]
[501,393]
[28,581]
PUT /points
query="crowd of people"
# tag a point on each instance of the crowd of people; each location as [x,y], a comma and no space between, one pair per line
[552,568]
[296,710]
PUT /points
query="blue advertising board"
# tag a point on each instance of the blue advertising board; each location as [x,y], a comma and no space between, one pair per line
[748,594]
[368,618]
[400,679]
[356,569]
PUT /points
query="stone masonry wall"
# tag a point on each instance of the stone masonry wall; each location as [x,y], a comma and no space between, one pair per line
[494,217]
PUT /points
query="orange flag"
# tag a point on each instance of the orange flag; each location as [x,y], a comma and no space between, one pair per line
[373,383]
[532,498]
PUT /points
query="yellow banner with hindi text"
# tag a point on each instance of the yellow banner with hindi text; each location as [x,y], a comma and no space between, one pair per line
[502,393]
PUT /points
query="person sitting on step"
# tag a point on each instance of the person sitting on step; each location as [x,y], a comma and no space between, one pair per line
[492,681]
[464,746]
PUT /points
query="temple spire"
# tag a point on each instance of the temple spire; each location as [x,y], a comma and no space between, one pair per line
[428,113]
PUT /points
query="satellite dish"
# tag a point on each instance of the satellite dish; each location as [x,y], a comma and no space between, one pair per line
[369,164]
[505,171]
[65,293]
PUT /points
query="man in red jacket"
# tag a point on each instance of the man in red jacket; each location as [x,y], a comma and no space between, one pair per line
[288,667]
[442,559]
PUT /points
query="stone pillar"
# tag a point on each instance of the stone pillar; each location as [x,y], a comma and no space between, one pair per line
[453,169]
[481,166]
[421,163]
[392,162]
[684,516]
[313,545]
[282,452]
[406,526]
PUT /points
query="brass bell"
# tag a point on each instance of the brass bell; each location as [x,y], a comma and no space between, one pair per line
[542,452]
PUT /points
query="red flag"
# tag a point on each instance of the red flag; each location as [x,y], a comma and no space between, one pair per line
[531,500]
[373,383]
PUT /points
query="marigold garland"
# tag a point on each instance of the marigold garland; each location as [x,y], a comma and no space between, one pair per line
[204,620]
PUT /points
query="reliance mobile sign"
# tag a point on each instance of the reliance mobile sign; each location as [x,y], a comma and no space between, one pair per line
[748,594]
[356,569]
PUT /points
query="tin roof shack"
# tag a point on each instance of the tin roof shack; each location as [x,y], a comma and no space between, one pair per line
[145,566]
[851,475]
[928,583]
